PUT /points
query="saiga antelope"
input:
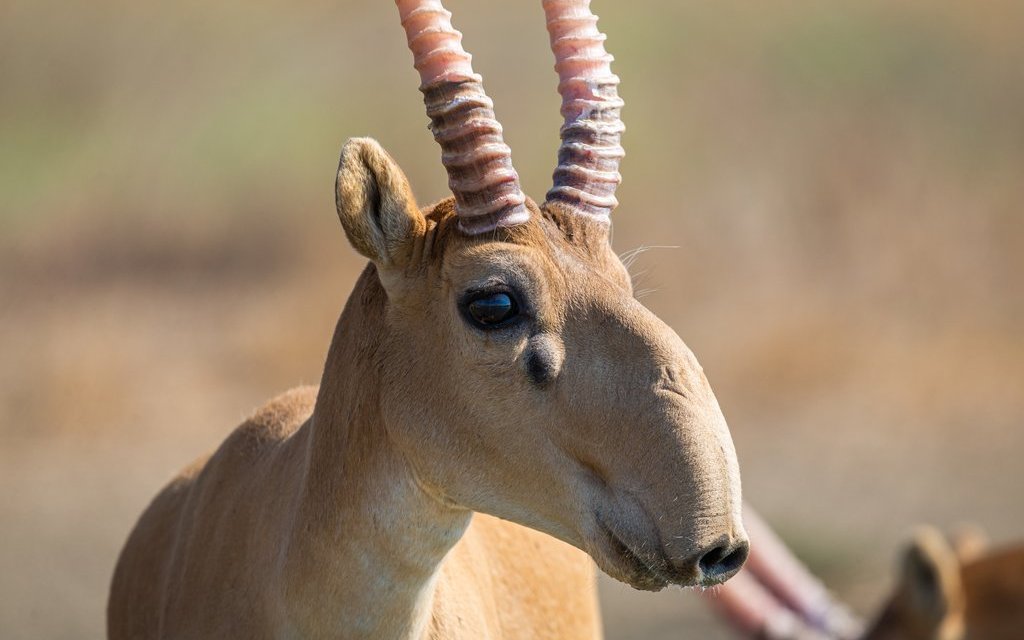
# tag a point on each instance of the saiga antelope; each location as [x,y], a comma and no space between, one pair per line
[491,360]
[954,592]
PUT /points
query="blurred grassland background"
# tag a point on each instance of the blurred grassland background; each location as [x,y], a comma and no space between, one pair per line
[843,183]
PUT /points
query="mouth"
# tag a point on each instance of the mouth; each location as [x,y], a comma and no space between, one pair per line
[653,570]
[644,571]
[642,560]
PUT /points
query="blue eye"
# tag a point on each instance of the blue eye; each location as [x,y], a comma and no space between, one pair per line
[490,310]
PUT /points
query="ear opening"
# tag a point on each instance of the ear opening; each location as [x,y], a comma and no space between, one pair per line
[931,576]
[375,204]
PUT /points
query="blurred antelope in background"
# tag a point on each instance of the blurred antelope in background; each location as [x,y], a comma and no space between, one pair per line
[958,591]
[494,407]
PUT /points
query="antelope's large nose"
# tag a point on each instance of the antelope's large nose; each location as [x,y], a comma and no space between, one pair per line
[721,561]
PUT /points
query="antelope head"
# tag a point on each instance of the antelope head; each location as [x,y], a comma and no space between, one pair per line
[519,375]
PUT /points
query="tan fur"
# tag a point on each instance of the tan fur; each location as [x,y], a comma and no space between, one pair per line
[955,591]
[356,510]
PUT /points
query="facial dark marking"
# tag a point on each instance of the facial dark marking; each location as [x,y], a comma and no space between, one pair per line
[543,358]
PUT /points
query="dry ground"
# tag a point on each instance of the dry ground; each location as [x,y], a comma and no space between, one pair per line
[842,181]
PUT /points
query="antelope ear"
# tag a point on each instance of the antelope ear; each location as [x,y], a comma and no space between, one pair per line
[931,577]
[375,204]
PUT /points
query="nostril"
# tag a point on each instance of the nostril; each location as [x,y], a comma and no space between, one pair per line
[723,561]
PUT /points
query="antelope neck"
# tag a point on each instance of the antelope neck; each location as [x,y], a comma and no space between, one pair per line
[368,539]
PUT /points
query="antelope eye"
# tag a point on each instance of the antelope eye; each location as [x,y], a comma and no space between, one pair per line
[491,310]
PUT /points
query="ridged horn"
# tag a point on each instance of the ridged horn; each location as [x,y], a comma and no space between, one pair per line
[588,158]
[479,163]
